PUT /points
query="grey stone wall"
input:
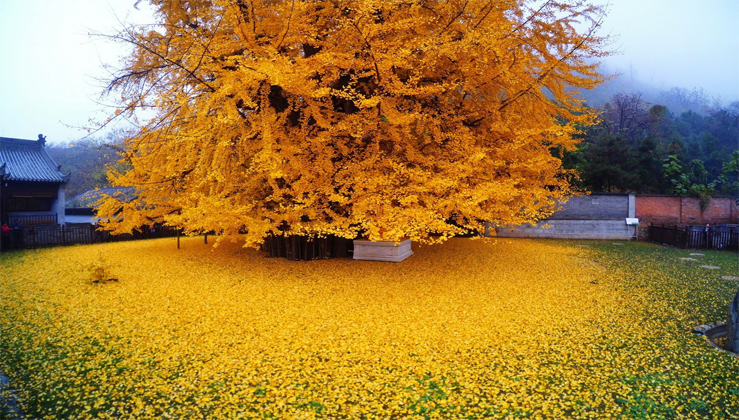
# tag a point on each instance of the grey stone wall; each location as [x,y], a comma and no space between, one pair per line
[594,207]
[597,216]
[570,229]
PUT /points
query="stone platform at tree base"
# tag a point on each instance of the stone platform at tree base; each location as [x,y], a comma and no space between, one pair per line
[382,250]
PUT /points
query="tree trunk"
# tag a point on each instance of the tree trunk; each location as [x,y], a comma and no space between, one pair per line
[732,325]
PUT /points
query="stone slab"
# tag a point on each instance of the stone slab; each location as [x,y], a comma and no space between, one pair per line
[382,250]
[711,267]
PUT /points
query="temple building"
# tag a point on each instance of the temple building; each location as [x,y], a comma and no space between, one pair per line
[31,183]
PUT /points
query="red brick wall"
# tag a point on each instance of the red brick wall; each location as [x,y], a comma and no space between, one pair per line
[685,210]
[721,210]
[658,210]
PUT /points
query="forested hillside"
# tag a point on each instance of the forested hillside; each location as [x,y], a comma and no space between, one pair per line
[642,147]
[86,161]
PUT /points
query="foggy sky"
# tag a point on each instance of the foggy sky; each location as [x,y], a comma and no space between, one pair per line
[52,68]
[677,43]
[50,65]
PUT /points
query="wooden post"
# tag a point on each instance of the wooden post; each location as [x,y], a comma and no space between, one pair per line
[705,235]
[178,239]
[33,236]
[206,238]
[3,203]
[732,210]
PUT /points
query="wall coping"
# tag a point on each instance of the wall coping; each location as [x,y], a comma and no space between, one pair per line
[686,196]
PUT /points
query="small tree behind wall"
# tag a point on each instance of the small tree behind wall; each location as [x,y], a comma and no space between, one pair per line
[374,117]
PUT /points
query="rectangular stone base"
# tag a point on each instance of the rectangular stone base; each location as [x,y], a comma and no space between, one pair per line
[382,250]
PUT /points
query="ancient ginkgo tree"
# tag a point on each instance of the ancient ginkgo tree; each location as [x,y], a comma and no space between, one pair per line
[381,118]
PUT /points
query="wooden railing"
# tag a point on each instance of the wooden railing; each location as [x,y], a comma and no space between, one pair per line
[304,248]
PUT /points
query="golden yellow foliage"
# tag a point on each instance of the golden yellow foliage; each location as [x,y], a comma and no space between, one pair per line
[465,330]
[380,118]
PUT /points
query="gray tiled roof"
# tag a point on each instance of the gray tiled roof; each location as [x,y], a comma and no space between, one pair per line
[27,160]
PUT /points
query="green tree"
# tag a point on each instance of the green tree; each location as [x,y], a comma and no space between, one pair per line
[648,169]
[730,172]
[624,152]
[607,164]
[695,179]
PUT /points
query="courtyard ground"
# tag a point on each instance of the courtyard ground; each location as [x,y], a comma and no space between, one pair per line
[468,329]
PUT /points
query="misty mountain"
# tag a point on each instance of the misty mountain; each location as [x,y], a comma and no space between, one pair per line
[86,162]
[676,99]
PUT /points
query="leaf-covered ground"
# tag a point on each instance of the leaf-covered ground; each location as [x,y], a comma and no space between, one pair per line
[468,329]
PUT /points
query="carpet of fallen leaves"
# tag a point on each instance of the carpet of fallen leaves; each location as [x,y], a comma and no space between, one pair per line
[468,329]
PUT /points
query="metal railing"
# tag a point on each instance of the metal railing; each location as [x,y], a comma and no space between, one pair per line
[31,237]
[43,219]
[718,237]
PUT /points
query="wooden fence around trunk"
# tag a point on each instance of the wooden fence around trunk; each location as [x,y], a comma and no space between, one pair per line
[55,235]
[304,248]
[720,238]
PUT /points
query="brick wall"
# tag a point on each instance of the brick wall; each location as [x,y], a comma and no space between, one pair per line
[603,216]
[685,210]
[658,210]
